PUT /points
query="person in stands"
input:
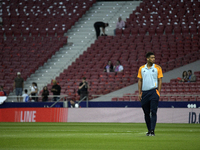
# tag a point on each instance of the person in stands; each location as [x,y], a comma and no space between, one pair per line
[45,94]
[98,25]
[118,67]
[2,92]
[56,89]
[184,77]
[18,86]
[120,24]
[109,67]
[34,91]
[191,77]
[83,88]
[25,96]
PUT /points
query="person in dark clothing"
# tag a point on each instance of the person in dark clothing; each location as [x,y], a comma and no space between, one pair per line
[98,25]
[56,90]
[45,94]
[108,67]
[18,86]
[2,92]
[83,87]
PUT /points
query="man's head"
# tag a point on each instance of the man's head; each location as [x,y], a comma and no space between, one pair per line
[54,82]
[45,88]
[84,79]
[150,57]
[18,74]
[118,62]
[119,19]
[26,91]
[106,24]
[189,72]
[1,88]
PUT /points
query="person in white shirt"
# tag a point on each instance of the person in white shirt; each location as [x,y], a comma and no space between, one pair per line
[120,25]
[118,67]
[25,96]
[34,91]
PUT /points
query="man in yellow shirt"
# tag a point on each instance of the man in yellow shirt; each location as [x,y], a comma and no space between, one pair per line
[149,86]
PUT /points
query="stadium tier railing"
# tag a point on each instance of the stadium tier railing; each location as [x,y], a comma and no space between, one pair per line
[166,95]
[62,98]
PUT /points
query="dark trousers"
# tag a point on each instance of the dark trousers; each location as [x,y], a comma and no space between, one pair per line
[97,29]
[34,98]
[83,95]
[44,99]
[56,98]
[149,104]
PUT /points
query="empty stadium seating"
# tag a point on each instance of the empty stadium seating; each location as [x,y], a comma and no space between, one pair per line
[41,18]
[24,55]
[131,54]
[165,17]
[168,28]
[31,32]
[164,27]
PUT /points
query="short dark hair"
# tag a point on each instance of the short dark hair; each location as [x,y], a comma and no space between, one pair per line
[25,90]
[149,54]
[107,24]
[34,83]
[84,78]
[190,71]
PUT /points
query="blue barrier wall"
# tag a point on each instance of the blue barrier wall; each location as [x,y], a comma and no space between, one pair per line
[138,104]
[98,104]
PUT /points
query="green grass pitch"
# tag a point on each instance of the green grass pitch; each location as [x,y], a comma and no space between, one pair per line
[97,136]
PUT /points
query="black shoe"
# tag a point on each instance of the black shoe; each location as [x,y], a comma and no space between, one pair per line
[148,133]
[152,133]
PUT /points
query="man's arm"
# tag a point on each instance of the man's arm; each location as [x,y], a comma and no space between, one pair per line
[53,89]
[159,84]
[140,88]
[81,86]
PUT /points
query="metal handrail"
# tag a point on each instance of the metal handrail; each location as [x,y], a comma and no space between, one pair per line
[61,97]
[57,100]
[51,96]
